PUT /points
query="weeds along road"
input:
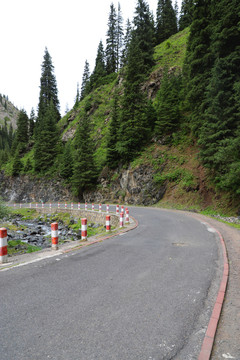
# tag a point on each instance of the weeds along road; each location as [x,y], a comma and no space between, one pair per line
[146,294]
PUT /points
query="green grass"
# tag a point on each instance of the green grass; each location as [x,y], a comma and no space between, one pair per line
[19,247]
[171,52]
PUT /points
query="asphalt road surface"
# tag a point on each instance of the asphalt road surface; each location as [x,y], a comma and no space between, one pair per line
[144,295]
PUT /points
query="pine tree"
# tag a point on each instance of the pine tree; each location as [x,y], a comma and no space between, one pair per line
[48,90]
[84,173]
[85,87]
[166,21]
[99,72]
[112,158]
[77,99]
[198,62]
[126,43]
[66,170]
[32,120]
[220,132]
[168,100]
[144,33]
[46,143]
[134,126]
[17,164]
[22,130]
[120,34]
[186,14]
[111,47]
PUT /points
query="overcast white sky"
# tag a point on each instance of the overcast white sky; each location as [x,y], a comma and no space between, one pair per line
[70,29]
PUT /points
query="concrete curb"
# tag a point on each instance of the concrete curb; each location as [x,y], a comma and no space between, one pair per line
[210,334]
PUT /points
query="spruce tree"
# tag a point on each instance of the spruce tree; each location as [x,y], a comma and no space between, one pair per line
[111,47]
[186,14]
[85,87]
[99,72]
[22,130]
[144,33]
[66,170]
[84,171]
[166,21]
[126,43]
[47,142]
[112,158]
[32,120]
[17,164]
[48,90]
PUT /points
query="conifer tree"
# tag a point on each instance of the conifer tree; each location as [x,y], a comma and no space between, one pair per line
[22,130]
[66,170]
[47,141]
[84,173]
[112,158]
[126,43]
[17,164]
[166,21]
[48,91]
[99,72]
[32,120]
[111,47]
[199,61]
[144,33]
[120,34]
[186,14]
[77,99]
[85,87]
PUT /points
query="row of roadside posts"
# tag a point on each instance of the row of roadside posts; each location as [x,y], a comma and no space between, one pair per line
[123,217]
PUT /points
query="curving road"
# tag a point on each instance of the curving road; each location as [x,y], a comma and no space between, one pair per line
[144,295]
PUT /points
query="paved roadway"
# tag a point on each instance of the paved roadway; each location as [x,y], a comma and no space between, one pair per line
[145,295]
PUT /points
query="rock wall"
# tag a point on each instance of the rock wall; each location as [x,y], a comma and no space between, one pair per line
[130,186]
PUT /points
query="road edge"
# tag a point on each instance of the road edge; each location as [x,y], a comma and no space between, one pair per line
[208,341]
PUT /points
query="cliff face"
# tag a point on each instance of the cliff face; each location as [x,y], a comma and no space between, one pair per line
[131,186]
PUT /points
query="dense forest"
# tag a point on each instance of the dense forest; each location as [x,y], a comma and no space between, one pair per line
[200,100]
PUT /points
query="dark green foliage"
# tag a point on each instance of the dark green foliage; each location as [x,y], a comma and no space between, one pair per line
[219,134]
[84,173]
[77,99]
[48,90]
[66,170]
[126,43]
[17,164]
[199,61]
[99,72]
[112,153]
[28,166]
[186,14]
[144,34]
[167,105]
[46,143]
[134,126]
[166,21]
[111,48]
[85,87]
[22,128]
[120,34]
[32,120]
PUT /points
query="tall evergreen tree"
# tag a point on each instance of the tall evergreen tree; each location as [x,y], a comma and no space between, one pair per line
[112,159]
[120,34]
[126,43]
[85,87]
[220,132]
[77,99]
[47,142]
[48,90]
[96,79]
[111,47]
[66,170]
[199,61]
[186,14]
[32,120]
[22,129]
[166,21]
[144,33]
[84,173]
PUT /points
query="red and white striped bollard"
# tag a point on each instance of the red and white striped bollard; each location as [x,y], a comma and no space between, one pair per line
[85,206]
[84,229]
[117,210]
[3,245]
[100,207]
[79,206]
[54,233]
[108,225]
[107,208]
[127,216]
[92,207]
[121,219]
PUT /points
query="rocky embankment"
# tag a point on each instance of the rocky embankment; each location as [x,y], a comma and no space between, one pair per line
[130,186]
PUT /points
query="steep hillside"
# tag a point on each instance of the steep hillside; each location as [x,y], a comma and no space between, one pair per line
[8,112]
